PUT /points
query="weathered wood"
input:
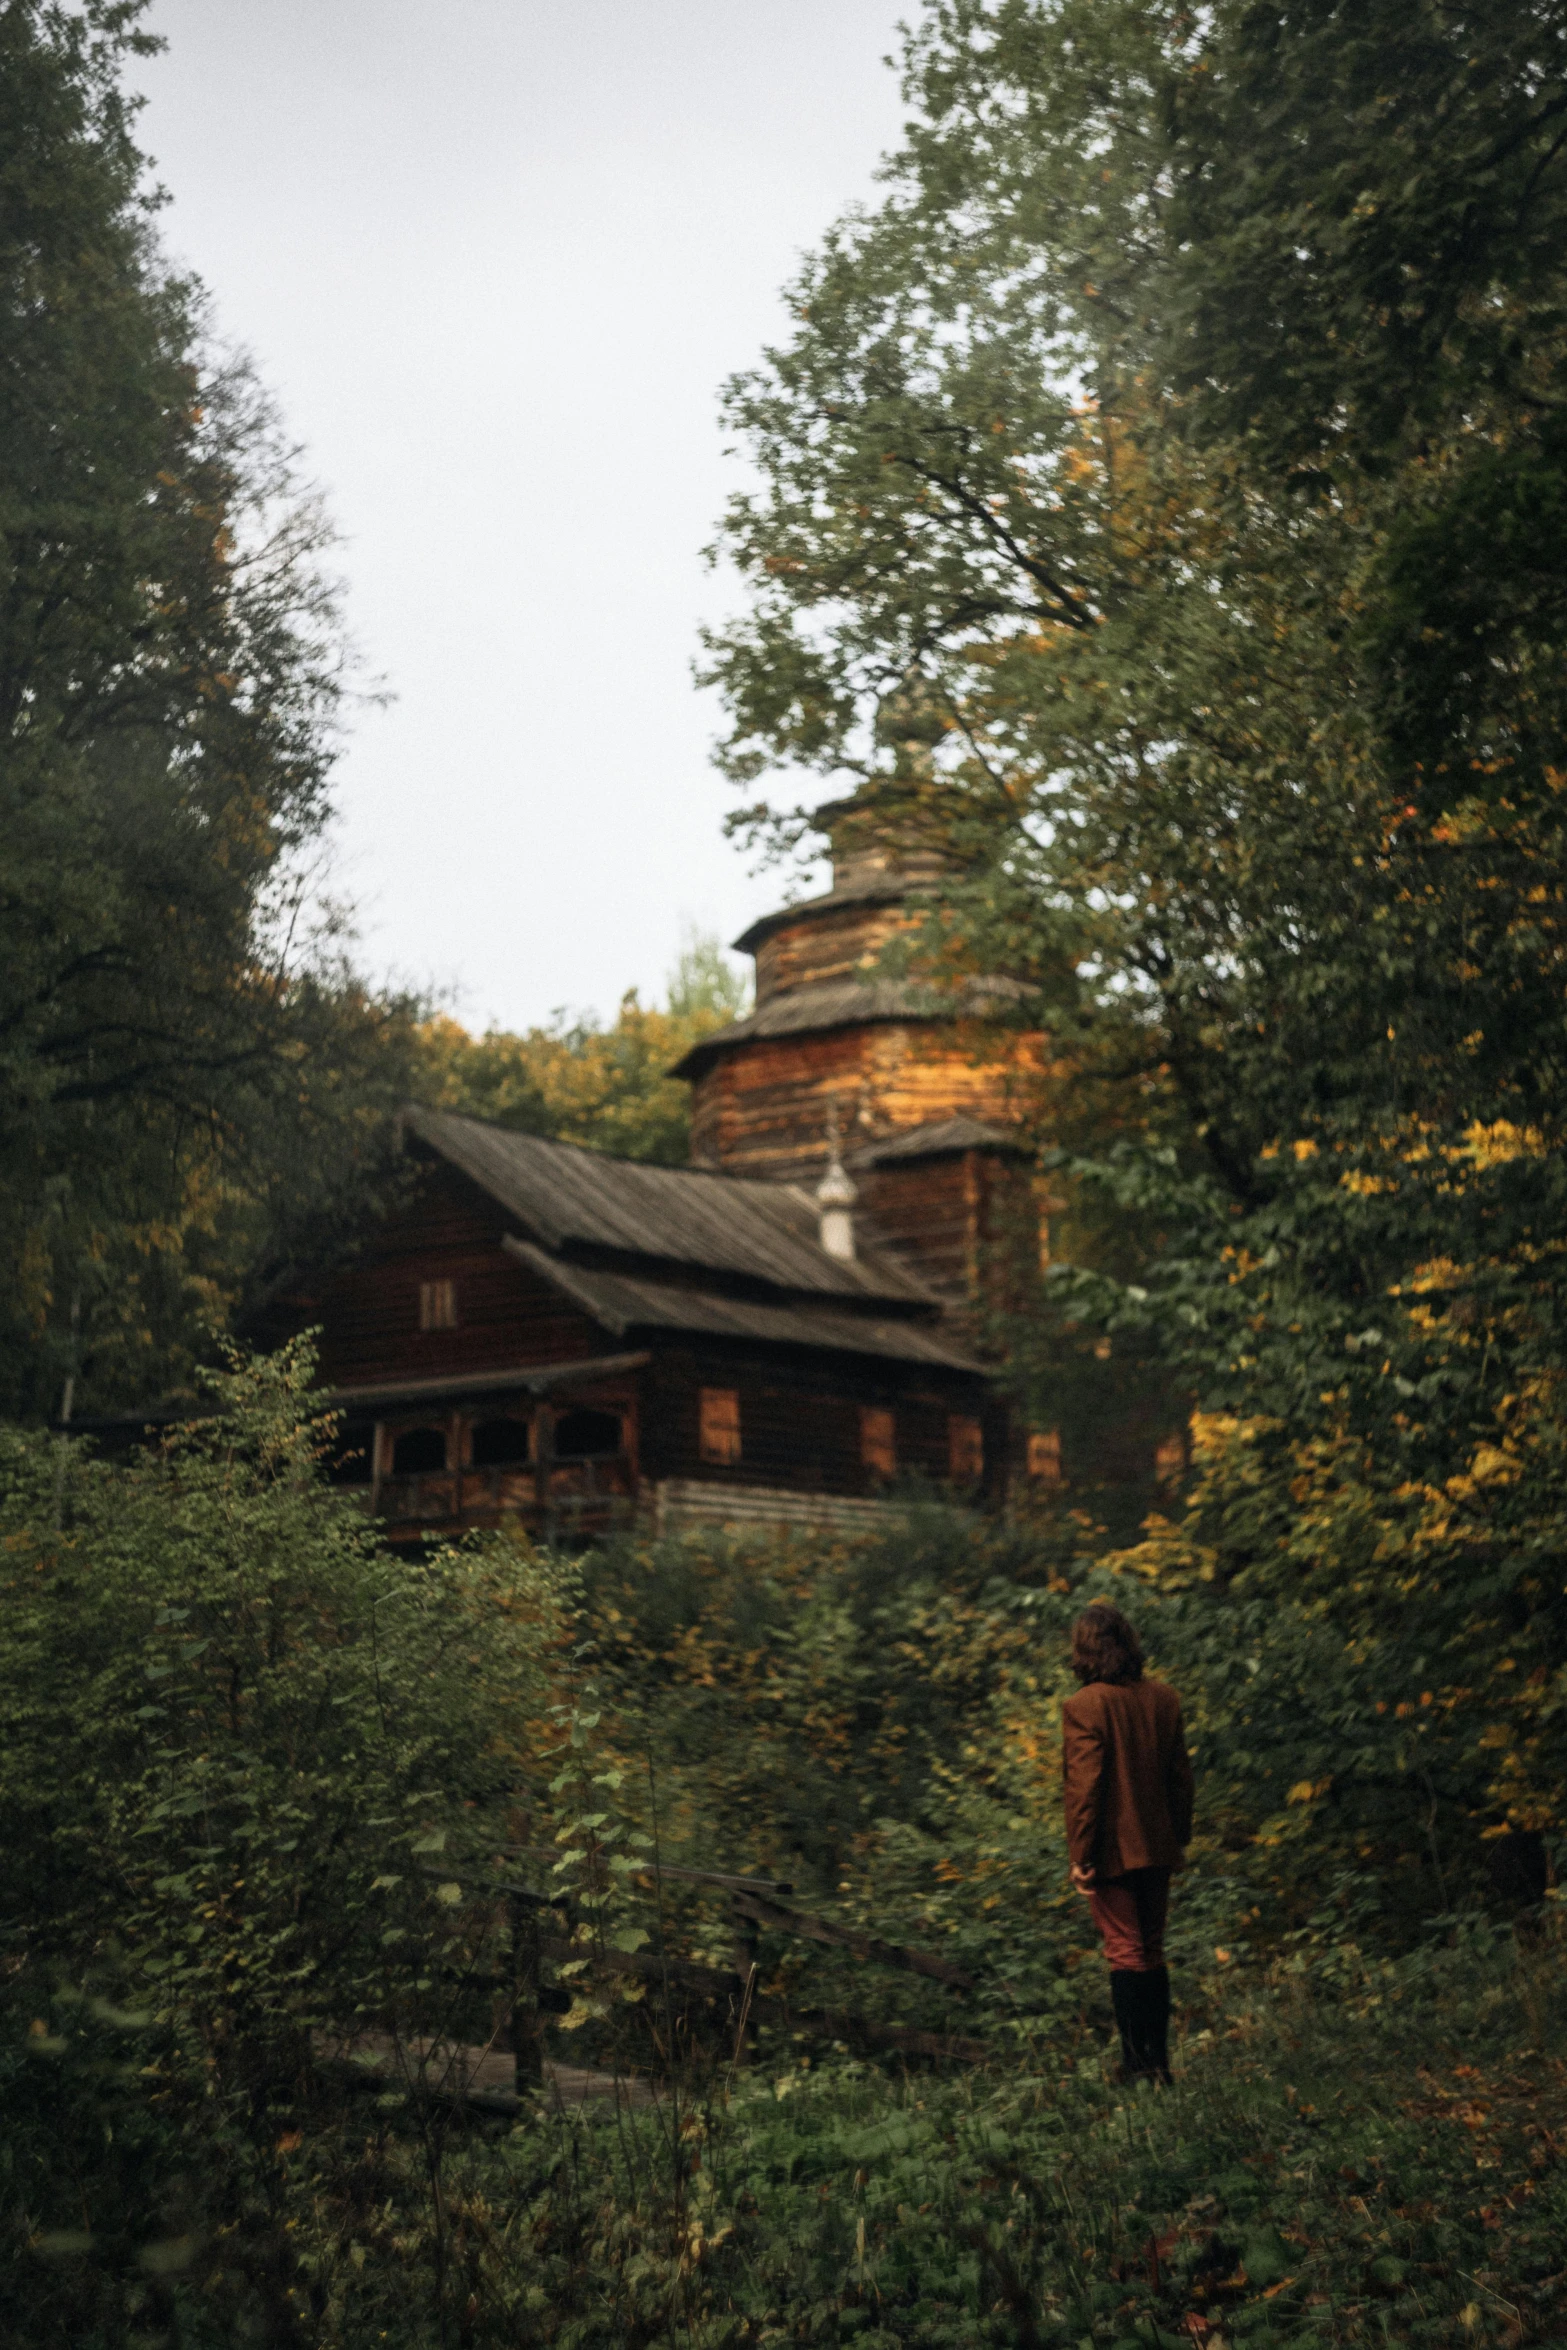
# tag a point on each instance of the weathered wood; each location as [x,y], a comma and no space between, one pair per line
[746,1954]
[866,1946]
[515,1381]
[825,944]
[525,1985]
[543,1461]
[650,1966]
[762,1107]
[804,1340]
[799,1426]
[369,1310]
[483,2078]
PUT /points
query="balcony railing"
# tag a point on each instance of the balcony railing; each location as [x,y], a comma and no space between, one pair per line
[587,1496]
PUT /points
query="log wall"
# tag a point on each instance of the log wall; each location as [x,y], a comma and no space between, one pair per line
[763,1108]
[829,947]
[800,1422]
[449,1232]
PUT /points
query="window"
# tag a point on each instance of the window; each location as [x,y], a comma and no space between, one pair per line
[878,1440]
[965,1449]
[418,1451]
[437,1305]
[586,1436]
[720,1424]
[1169,1460]
[1044,1456]
[500,1444]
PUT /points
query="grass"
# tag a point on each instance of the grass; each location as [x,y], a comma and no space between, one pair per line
[1352,2153]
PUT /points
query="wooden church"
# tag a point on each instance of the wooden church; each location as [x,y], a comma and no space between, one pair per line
[782,1333]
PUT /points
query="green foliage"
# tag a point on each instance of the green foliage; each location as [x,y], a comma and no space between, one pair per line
[879,1723]
[1365,2156]
[1159,488]
[238,1737]
[606,1087]
[254,1772]
[1175,435]
[190,1081]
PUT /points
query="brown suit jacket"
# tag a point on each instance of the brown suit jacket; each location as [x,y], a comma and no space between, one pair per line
[1126,1777]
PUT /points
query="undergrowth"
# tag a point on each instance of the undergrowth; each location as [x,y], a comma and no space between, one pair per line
[261,1785]
[1352,2153]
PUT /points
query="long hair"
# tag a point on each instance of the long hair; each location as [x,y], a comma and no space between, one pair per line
[1104,1646]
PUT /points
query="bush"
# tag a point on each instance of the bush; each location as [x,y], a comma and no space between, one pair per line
[243,1749]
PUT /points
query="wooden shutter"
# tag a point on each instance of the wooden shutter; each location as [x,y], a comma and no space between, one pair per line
[1169,1460]
[720,1418]
[878,1440]
[965,1449]
[437,1305]
[1044,1456]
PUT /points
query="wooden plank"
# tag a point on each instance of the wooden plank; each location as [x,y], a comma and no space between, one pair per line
[716,1982]
[759,1106]
[485,2078]
[866,1946]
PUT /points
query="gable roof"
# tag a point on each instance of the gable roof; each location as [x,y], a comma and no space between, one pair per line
[576,1201]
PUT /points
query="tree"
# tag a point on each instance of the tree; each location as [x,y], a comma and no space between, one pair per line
[607,1087]
[1177,436]
[172,674]
[243,1746]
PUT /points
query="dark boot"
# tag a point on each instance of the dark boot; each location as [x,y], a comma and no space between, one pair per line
[1142,2013]
[1126,1999]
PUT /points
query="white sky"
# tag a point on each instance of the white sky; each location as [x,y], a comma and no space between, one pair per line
[495,257]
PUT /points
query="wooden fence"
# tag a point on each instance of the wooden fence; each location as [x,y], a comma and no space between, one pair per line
[539,1936]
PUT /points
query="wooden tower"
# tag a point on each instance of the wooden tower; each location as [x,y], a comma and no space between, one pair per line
[922,1083]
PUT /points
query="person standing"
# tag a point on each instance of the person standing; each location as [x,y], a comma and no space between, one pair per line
[1127,1784]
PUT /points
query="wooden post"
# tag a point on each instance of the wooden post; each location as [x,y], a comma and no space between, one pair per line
[527,2051]
[747,1943]
[377,1451]
[454,1442]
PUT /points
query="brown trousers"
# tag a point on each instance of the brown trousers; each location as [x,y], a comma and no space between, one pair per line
[1130,1912]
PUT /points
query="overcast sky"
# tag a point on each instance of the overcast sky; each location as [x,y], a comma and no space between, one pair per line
[496,257]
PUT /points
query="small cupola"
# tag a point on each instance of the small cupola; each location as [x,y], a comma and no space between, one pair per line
[835,1198]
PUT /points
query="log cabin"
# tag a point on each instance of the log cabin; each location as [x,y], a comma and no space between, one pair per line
[546,1333]
[786,1332]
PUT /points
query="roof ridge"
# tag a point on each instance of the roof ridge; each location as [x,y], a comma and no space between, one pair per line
[589,1150]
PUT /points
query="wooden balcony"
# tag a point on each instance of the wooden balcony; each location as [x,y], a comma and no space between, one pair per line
[575,1499]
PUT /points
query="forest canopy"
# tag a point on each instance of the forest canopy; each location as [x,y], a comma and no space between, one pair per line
[1160,482]
[192,1079]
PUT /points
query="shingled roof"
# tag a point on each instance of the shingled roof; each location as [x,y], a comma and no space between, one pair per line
[680,1248]
[623,1303]
[854,1003]
[939,1139]
[866,889]
[573,1200]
